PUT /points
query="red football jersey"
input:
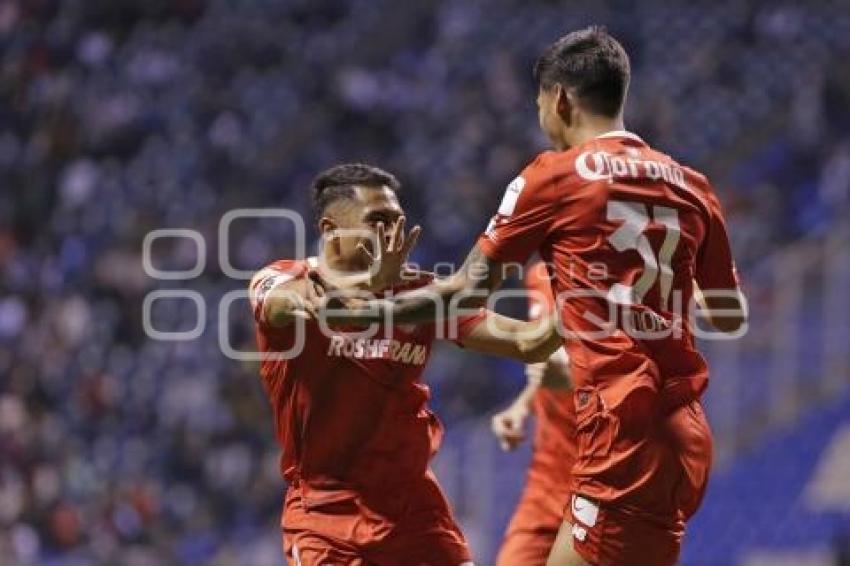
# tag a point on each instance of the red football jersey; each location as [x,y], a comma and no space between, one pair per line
[349,412]
[627,230]
[554,435]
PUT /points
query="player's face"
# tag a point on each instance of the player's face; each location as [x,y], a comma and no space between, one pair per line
[373,205]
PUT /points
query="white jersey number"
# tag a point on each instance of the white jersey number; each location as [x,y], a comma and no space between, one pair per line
[630,236]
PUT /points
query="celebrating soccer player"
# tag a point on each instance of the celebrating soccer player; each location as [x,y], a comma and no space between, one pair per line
[635,238]
[350,409]
[548,395]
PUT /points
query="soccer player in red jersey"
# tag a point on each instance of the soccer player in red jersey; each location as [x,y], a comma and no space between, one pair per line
[635,239]
[350,409]
[540,511]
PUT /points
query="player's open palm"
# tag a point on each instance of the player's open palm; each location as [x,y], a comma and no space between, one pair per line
[390,254]
[509,425]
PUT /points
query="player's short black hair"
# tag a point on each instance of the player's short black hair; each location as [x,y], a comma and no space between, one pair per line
[339,181]
[593,63]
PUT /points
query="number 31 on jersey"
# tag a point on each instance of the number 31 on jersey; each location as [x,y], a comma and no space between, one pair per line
[630,236]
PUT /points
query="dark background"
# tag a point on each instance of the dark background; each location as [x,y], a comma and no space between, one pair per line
[122,117]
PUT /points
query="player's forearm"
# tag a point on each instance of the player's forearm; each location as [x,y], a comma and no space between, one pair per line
[439,299]
[466,289]
[527,394]
[289,301]
[281,307]
[538,340]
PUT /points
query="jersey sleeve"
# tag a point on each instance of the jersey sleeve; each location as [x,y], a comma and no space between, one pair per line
[268,279]
[525,215]
[715,267]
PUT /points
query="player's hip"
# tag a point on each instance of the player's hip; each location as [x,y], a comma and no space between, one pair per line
[437,547]
[610,535]
[364,515]
[660,466]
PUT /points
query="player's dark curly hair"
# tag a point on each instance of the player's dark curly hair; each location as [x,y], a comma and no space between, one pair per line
[591,62]
[339,181]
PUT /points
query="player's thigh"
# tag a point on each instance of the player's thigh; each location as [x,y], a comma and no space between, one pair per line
[437,542]
[689,436]
[526,547]
[532,530]
[563,553]
[303,548]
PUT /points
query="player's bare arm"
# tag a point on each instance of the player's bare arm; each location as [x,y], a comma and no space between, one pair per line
[467,288]
[527,341]
[287,301]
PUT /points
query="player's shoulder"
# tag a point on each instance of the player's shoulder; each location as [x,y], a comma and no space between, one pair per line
[699,183]
[694,180]
[279,270]
[539,179]
[551,165]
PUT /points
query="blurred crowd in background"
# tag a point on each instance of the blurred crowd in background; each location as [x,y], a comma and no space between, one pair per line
[118,118]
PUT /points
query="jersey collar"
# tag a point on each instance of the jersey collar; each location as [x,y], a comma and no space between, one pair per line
[621,134]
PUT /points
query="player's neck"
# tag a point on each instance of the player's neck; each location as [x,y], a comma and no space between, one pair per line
[592,127]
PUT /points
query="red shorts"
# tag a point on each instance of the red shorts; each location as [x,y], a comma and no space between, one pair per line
[658,476]
[414,526]
[534,525]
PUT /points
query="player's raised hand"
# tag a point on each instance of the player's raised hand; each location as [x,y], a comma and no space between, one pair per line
[390,254]
[509,425]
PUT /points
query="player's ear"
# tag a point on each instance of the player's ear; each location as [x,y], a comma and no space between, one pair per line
[326,226]
[565,101]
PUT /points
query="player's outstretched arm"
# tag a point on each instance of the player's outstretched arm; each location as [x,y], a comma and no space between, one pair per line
[286,302]
[467,288]
[526,341]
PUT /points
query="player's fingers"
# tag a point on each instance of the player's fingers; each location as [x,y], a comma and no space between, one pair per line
[382,241]
[509,443]
[408,272]
[397,237]
[513,434]
[306,314]
[497,425]
[362,248]
[321,284]
[412,236]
